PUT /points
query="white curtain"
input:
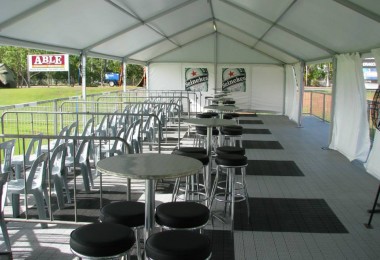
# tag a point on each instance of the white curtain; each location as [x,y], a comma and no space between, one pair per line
[373,163]
[291,94]
[350,134]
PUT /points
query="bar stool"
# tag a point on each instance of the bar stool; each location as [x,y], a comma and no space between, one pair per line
[231,134]
[231,190]
[201,136]
[127,213]
[194,189]
[178,244]
[188,215]
[102,240]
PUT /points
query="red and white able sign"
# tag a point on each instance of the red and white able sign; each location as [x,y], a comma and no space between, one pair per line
[48,62]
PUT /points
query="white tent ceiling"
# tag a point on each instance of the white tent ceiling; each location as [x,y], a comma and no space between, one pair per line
[247,31]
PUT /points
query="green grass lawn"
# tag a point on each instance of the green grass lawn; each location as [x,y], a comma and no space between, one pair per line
[11,96]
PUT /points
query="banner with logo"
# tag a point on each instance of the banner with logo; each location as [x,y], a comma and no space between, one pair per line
[48,62]
[234,80]
[196,79]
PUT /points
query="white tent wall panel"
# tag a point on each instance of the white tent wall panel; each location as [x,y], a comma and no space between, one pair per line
[171,76]
[165,76]
[264,83]
[267,88]
[243,99]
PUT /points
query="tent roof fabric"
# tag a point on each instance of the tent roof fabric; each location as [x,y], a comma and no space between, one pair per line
[216,31]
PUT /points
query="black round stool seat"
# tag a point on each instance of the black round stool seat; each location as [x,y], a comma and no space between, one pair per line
[229,102]
[101,239]
[199,156]
[213,114]
[204,115]
[192,150]
[128,213]
[231,131]
[202,130]
[231,160]
[234,114]
[233,127]
[178,244]
[182,215]
[226,150]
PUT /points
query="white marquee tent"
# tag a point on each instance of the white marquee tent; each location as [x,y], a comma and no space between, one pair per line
[269,39]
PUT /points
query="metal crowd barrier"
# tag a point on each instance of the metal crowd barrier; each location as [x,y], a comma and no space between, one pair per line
[51,219]
[47,123]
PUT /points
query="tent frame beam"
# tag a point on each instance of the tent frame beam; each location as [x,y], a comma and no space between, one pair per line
[357,8]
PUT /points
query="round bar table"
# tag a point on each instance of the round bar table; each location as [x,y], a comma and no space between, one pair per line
[209,123]
[149,167]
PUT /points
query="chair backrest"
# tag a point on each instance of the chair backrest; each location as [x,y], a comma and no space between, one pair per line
[7,148]
[61,138]
[136,136]
[34,147]
[83,152]
[57,159]
[119,146]
[89,127]
[37,172]
[101,129]
[3,191]
[72,130]
[113,124]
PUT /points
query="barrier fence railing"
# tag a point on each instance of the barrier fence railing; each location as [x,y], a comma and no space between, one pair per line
[49,181]
[54,104]
[195,96]
[152,99]
[319,104]
[21,122]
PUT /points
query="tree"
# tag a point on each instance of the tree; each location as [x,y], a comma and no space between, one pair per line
[317,73]
[134,73]
[16,59]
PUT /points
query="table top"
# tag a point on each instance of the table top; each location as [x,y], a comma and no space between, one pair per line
[222,108]
[149,166]
[214,122]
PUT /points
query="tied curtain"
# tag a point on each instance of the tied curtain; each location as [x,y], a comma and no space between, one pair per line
[350,135]
[291,93]
[373,163]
